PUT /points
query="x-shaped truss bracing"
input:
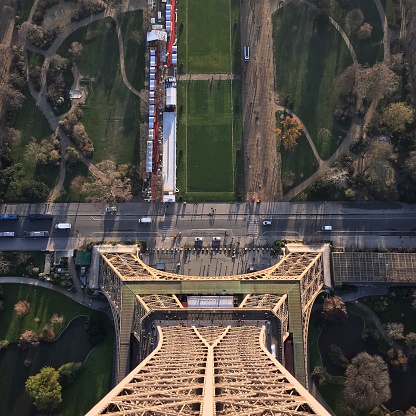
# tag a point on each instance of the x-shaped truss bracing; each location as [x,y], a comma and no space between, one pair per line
[209,371]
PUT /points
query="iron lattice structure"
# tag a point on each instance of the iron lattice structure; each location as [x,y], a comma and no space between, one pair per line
[209,371]
[356,267]
[138,293]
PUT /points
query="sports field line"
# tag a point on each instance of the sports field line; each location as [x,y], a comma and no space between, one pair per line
[231,98]
[186,102]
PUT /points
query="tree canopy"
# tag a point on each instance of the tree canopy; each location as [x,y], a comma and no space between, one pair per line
[45,389]
[398,116]
[367,384]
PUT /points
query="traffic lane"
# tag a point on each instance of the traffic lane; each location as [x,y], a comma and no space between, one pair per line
[312,226]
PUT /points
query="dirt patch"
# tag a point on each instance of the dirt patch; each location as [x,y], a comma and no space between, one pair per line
[261,159]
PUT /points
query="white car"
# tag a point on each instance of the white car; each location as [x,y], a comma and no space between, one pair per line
[326,228]
[216,238]
[267,222]
[111,209]
[198,239]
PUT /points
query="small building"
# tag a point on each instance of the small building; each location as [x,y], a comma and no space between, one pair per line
[75,94]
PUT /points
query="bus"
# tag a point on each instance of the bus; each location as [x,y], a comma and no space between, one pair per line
[246,53]
[40,217]
[35,234]
[6,233]
[9,216]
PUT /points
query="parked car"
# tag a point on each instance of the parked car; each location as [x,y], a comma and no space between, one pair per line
[111,209]
[267,222]
[199,239]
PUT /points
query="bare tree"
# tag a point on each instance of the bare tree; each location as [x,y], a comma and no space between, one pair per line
[353,20]
[365,31]
[34,154]
[22,308]
[334,308]
[75,50]
[114,185]
[376,81]
[411,411]
[346,81]
[48,333]
[337,177]
[28,339]
[5,265]
[394,330]
[367,382]
[410,340]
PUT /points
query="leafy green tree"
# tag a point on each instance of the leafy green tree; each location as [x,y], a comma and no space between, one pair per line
[29,190]
[68,373]
[45,389]
[71,156]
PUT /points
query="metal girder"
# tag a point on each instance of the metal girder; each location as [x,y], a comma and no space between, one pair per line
[129,267]
[299,272]
[209,371]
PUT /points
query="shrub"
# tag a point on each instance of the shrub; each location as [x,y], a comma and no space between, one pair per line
[4,343]
[68,373]
[95,329]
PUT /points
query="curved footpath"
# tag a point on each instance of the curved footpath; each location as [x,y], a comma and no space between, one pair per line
[40,96]
[357,126]
[79,297]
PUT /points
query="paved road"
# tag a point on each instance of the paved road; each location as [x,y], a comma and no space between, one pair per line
[354,225]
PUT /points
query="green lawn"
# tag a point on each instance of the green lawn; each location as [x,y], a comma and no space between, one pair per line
[95,380]
[307,64]
[205,40]
[207,149]
[370,50]
[31,122]
[300,161]
[113,119]
[131,25]
[34,59]
[26,6]
[44,303]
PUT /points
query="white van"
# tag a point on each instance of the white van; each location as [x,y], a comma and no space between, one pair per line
[246,53]
[63,226]
[145,220]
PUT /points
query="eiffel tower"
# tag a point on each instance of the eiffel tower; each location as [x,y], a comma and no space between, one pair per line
[250,358]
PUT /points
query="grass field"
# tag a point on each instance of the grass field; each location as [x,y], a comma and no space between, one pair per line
[205,36]
[113,119]
[301,161]
[95,380]
[307,64]
[31,122]
[131,25]
[370,50]
[209,138]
